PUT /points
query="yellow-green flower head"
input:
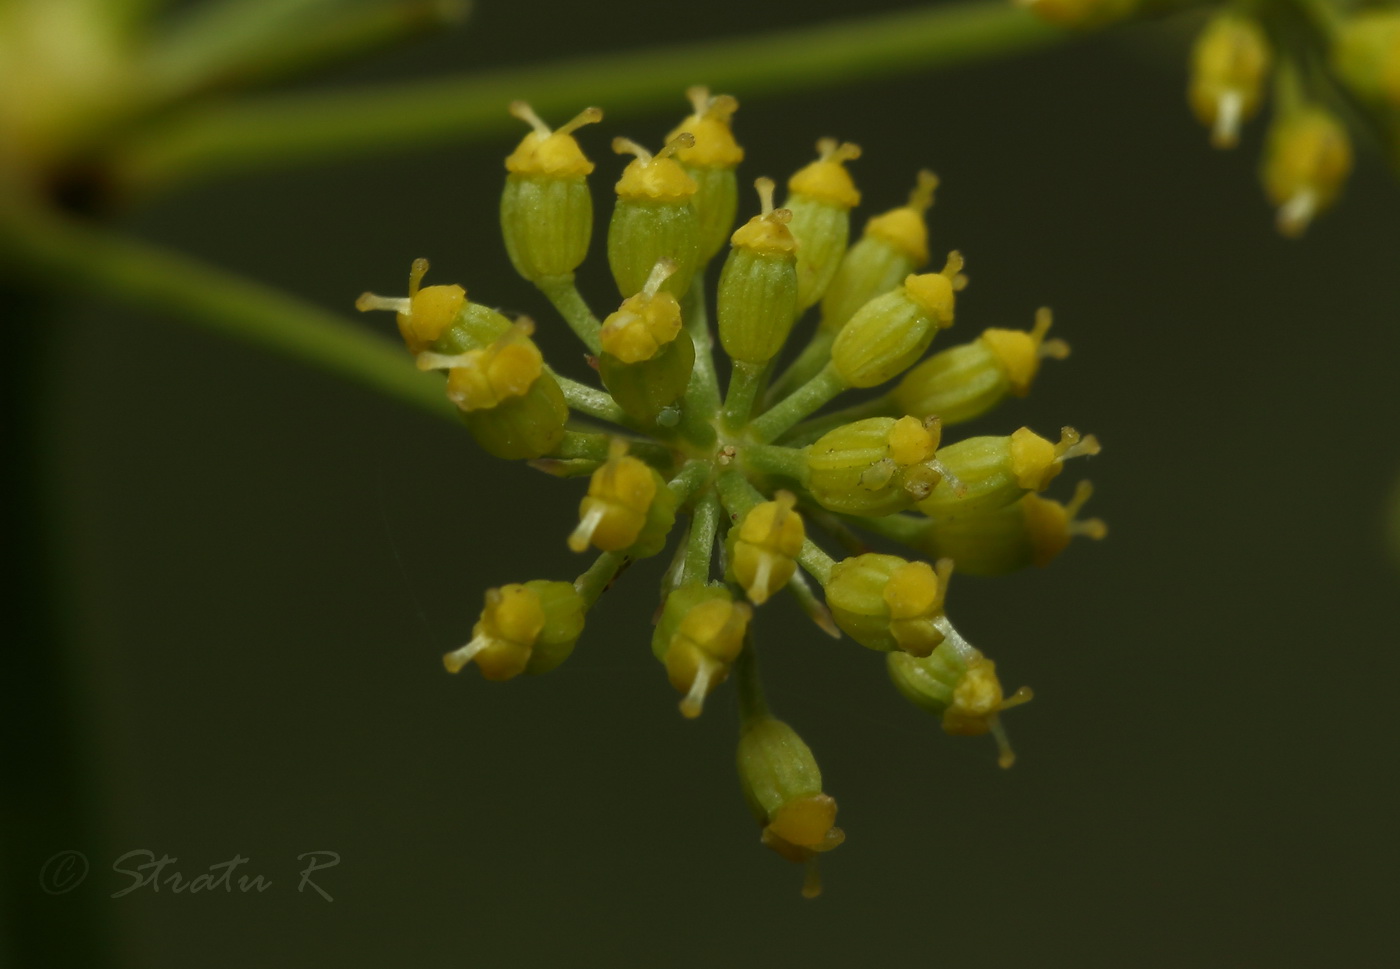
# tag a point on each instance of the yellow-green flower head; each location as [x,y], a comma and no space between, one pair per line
[960,685]
[425,314]
[1307,159]
[699,635]
[654,178]
[888,603]
[826,179]
[766,233]
[710,127]
[1030,531]
[644,323]
[763,547]
[1366,53]
[904,228]
[875,466]
[757,301]
[529,628]
[783,787]
[888,334]
[483,379]
[553,153]
[968,380]
[625,497]
[995,471]
[1229,63]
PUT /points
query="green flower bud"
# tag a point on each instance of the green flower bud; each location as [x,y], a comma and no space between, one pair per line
[889,334]
[763,547]
[529,628]
[699,635]
[893,245]
[512,405]
[757,301]
[887,603]
[783,787]
[1229,62]
[628,508]
[968,380]
[546,209]
[820,197]
[958,684]
[1307,159]
[654,219]
[995,471]
[1031,531]
[874,467]
[711,161]
[646,359]
[1366,54]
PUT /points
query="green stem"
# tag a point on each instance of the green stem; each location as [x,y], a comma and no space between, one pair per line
[701,400]
[815,355]
[66,254]
[817,563]
[301,128]
[561,291]
[737,494]
[595,581]
[596,446]
[700,544]
[753,704]
[772,459]
[591,401]
[812,605]
[745,384]
[690,479]
[807,399]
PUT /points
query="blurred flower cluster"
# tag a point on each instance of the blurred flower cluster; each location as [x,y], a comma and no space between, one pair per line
[1332,67]
[743,479]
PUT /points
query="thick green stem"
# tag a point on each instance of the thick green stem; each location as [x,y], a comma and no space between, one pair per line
[808,431]
[689,480]
[745,384]
[807,399]
[305,127]
[594,582]
[591,401]
[701,401]
[564,294]
[700,544]
[817,563]
[771,459]
[68,254]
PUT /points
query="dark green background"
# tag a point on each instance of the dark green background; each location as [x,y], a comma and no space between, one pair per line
[268,562]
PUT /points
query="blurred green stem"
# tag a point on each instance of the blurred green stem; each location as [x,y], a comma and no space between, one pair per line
[307,127]
[68,254]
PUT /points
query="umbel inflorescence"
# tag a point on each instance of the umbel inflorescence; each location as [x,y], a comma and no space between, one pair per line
[742,478]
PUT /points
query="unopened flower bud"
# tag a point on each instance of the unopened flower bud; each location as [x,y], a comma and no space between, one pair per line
[1306,160]
[1031,531]
[763,547]
[1228,66]
[968,380]
[699,635]
[513,407]
[646,359]
[888,334]
[654,218]
[887,603]
[546,209]
[995,471]
[820,197]
[711,161]
[757,301]
[1366,53]
[783,787]
[893,245]
[529,628]
[875,466]
[628,508]
[958,684]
